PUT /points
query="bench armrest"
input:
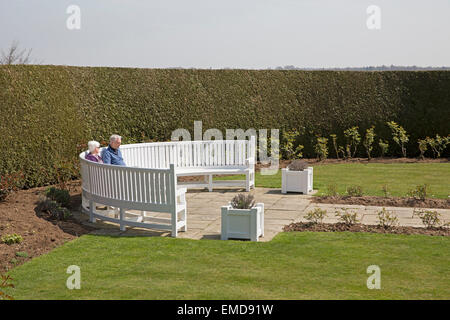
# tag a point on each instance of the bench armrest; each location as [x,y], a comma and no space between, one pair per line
[181,191]
[250,161]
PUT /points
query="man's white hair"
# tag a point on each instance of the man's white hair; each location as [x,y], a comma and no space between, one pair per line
[92,145]
[114,137]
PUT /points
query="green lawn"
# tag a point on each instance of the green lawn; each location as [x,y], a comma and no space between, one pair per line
[292,266]
[400,178]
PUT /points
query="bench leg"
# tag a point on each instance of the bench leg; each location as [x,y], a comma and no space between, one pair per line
[252,179]
[210,183]
[122,217]
[91,211]
[206,180]
[185,220]
[247,181]
[183,201]
[174,223]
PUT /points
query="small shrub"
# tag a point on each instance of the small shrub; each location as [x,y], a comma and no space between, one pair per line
[349,218]
[316,216]
[420,192]
[4,283]
[423,143]
[387,219]
[399,136]
[332,190]
[429,218]
[368,141]
[289,148]
[61,196]
[384,147]
[321,148]
[298,165]
[354,191]
[242,201]
[438,144]
[353,139]
[66,214]
[11,238]
[55,210]
[441,144]
[9,183]
[385,190]
[337,149]
[22,254]
[65,171]
[432,143]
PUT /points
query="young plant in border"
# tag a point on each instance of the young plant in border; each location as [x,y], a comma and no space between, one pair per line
[354,191]
[438,144]
[321,148]
[316,216]
[289,148]
[384,147]
[423,143]
[337,149]
[430,218]
[348,218]
[353,139]
[399,136]
[387,219]
[420,192]
[368,141]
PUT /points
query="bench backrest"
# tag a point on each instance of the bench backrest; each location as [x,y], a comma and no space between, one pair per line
[211,153]
[131,188]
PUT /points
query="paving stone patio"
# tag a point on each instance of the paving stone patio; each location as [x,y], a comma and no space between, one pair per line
[204,219]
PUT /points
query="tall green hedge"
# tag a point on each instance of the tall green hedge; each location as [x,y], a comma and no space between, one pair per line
[48,112]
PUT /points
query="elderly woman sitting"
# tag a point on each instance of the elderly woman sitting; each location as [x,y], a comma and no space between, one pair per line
[94,150]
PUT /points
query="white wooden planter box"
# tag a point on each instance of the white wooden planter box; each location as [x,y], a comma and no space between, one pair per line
[243,223]
[297,181]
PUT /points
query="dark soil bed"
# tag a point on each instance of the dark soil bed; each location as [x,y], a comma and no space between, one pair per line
[385,201]
[40,233]
[339,227]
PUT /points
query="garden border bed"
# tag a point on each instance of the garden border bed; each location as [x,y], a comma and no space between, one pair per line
[385,201]
[342,227]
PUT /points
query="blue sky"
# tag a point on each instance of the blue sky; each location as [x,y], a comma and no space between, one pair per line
[233,33]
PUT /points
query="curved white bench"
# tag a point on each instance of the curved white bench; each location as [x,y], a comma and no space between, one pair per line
[198,158]
[149,181]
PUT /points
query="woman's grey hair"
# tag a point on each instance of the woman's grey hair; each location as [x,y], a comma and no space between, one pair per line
[92,145]
[114,137]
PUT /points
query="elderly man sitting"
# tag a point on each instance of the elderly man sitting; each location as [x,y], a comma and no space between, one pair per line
[112,154]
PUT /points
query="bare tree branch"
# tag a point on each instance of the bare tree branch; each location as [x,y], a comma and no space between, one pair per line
[15,56]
